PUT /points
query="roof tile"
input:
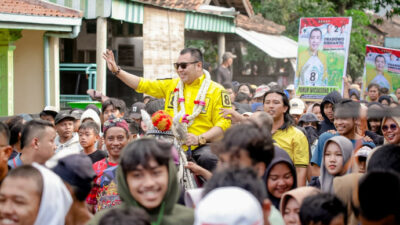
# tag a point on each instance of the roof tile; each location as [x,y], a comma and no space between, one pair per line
[175,4]
[37,8]
[259,24]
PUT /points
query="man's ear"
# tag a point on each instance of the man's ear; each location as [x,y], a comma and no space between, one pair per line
[260,168]
[35,143]
[5,154]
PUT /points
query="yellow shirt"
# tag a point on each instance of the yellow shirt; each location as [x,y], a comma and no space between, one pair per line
[295,143]
[216,98]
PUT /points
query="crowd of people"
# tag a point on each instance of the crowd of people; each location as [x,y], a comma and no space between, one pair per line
[199,152]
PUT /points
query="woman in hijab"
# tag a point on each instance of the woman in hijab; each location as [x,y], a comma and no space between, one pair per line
[280,176]
[336,161]
[291,202]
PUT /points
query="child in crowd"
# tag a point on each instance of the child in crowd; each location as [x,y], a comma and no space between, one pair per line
[147,178]
[88,136]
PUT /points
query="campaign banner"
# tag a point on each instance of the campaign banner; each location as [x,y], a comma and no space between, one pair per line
[323,48]
[382,66]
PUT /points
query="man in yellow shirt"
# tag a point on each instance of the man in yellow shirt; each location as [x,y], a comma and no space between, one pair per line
[208,125]
[285,134]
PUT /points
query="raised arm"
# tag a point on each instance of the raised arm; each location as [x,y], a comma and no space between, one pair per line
[129,79]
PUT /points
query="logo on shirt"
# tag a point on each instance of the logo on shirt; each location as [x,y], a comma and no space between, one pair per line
[226,100]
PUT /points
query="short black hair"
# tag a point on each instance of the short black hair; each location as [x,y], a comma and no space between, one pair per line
[141,151]
[347,108]
[154,105]
[248,85]
[48,113]
[195,53]
[321,209]
[241,97]
[134,128]
[28,172]
[5,131]
[15,125]
[116,103]
[371,85]
[373,206]
[228,86]
[316,29]
[245,178]
[127,215]
[256,141]
[386,158]
[380,56]
[33,128]
[385,98]
[90,125]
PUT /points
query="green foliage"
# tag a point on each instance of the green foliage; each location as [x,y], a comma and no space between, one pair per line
[207,47]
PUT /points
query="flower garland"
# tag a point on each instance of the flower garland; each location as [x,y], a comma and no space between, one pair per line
[199,102]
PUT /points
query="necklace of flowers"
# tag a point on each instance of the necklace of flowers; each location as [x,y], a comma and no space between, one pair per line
[199,102]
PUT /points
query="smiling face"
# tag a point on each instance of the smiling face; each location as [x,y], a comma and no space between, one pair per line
[115,140]
[291,213]
[19,201]
[315,40]
[344,126]
[148,185]
[192,70]
[280,180]
[333,159]
[273,105]
[392,134]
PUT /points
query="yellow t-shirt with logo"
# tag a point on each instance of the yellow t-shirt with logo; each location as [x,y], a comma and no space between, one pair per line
[216,98]
[295,143]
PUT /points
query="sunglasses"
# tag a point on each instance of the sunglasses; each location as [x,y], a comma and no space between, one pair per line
[183,65]
[392,127]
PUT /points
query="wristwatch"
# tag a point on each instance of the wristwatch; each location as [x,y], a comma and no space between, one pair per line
[202,140]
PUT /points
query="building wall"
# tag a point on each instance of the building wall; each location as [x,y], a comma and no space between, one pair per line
[28,73]
[163,39]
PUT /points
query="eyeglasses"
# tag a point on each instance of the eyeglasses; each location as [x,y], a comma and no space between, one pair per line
[183,65]
[392,127]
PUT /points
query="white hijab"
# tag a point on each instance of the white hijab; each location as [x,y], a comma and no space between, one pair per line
[56,199]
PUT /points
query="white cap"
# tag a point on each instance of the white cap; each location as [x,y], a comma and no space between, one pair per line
[296,106]
[229,206]
[290,87]
[50,108]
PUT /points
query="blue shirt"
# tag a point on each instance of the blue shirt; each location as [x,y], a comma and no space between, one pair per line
[319,150]
[15,162]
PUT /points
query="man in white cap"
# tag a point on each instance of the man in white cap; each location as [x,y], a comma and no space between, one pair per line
[297,107]
[229,206]
[223,73]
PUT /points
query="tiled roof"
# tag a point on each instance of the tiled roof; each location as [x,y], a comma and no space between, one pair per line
[259,24]
[175,4]
[37,8]
[243,6]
